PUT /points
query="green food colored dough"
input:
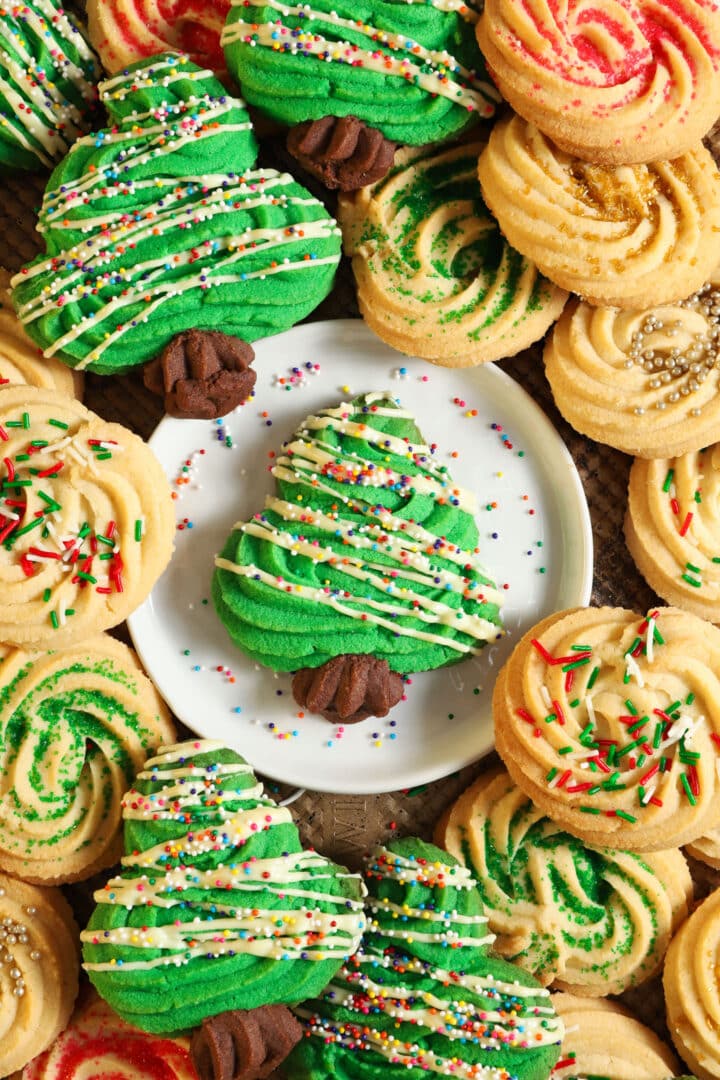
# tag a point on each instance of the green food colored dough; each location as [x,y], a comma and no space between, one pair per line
[217,907]
[160,224]
[368,547]
[48,77]
[424,995]
[412,70]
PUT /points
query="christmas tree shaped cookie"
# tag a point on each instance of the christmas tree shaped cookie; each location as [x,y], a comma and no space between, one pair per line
[424,995]
[217,905]
[159,224]
[367,549]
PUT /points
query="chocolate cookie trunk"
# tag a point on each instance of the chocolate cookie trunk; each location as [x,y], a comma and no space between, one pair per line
[245,1044]
[348,688]
[202,374]
[343,153]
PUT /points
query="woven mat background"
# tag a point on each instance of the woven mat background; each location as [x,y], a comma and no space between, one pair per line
[343,826]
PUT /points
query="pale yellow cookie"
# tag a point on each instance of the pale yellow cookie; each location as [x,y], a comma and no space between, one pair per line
[76,725]
[707,848]
[672,528]
[86,520]
[21,361]
[645,381]
[39,964]
[435,276]
[625,236]
[602,1039]
[692,989]
[591,921]
[610,722]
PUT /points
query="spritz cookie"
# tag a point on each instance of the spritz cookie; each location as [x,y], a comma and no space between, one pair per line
[86,519]
[645,381]
[20,359]
[592,921]
[707,848]
[625,235]
[692,989]
[435,277]
[76,724]
[673,530]
[629,81]
[610,722]
[39,962]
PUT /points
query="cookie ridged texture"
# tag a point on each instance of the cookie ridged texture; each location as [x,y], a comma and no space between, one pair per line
[159,224]
[435,277]
[98,1043]
[591,921]
[77,724]
[368,547]
[217,905]
[49,79]
[644,381]
[20,359]
[41,960]
[605,1040]
[629,82]
[62,577]
[707,849]
[692,998]
[624,753]
[672,528]
[424,995]
[414,71]
[624,236]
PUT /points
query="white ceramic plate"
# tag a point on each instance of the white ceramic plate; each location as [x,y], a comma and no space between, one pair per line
[535,537]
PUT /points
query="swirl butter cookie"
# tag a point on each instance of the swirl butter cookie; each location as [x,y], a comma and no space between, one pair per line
[626,235]
[605,1042]
[628,81]
[75,726]
[707,848]
[645,381]
[86,519]
[21,360]
[610,722]
[692,989]
[673,530]
[591,921]
[39,962]
[435,277]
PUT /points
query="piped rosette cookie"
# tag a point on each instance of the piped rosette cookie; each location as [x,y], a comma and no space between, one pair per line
[618,235]
[707,849]
[630,81]
[76,724]
[672,528]
[86,519]
[424,994]
[48,84]
[21,360]
[593,921]
[435,276]
[610,723]
[39,962]
[217,906]
[644,381]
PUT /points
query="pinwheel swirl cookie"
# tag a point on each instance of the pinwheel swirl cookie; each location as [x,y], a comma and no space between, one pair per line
[20,359]
[626,235]
[630,81]
[86,519]
[591,921]
[160,224]
[424,995]
[435,277]
[610,722]
[692,989]
[217,905]
[76,725]
[644,381]
[39,961]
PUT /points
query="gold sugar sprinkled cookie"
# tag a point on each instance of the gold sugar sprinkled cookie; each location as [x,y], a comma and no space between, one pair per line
[672,528]
[610,722]
[86,520]
[39,964]
[21,361]
[645,381]
[592,921]
[692,989]
[623,235]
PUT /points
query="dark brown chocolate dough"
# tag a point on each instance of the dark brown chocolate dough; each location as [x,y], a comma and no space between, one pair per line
[348,688]
[244,1044]
[341,151]
[202,374]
